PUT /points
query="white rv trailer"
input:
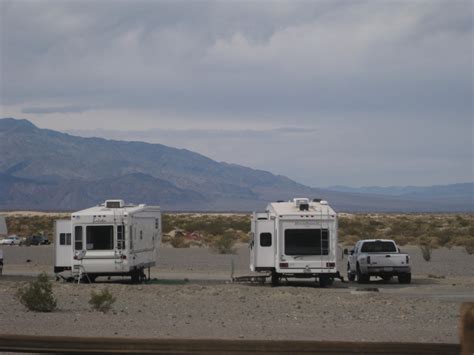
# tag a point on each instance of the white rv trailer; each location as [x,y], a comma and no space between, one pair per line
[297,238]
[111,239]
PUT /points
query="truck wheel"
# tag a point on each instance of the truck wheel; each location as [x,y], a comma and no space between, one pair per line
[404,278]
[362,278]
[275,278]
[350,275]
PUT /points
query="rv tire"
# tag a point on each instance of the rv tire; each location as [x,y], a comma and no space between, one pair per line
[324,281]
[135,276]
[275,278]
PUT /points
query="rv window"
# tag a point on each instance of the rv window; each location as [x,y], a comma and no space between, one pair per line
[78,238]
[100,237]
[306,242]
[62,239]
[120,238]
[68,238]
[265,239]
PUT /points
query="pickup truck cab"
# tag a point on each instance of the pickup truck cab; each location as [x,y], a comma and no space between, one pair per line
[377,257]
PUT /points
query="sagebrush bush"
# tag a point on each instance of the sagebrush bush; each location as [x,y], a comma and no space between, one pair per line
[469,246]
[426,252]
[102,301]
[224,244]
[38,295]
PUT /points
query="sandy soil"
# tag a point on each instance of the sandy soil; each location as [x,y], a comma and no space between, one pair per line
[206,306]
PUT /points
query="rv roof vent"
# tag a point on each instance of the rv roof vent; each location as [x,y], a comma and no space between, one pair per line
[114,203]
[324,202]
[317,199]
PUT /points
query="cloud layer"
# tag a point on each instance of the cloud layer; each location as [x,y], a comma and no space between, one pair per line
[357,71]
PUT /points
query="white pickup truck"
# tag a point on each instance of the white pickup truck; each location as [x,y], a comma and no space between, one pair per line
[377,257]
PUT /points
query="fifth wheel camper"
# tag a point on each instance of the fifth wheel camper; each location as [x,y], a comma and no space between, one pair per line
[297,238]
[112,239]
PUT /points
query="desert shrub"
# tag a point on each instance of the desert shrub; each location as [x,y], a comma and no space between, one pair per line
[426,252]
[179,242]
[212,224]
[224,244]
[25,226]
[102,301]
[463,222]
[349,240]
[469,246]
[38,295]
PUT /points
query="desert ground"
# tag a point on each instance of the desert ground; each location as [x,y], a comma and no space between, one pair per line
[191,297]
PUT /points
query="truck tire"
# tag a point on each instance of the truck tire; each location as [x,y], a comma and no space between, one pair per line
[404,278]
[362,278]
[350,275]
[275,278]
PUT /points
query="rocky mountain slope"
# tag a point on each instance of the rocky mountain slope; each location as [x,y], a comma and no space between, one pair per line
[49,170]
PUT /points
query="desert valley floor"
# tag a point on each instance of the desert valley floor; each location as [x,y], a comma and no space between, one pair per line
[191,297]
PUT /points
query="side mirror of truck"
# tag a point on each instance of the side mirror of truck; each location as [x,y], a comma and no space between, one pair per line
[346,252]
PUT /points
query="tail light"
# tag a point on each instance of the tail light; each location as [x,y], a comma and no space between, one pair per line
[283,264]
[368,260]
[330,264]
[123,256]
[408,259]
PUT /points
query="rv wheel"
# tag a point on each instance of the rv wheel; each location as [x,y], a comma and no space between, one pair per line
[324,281]
[135,276]
[275,278]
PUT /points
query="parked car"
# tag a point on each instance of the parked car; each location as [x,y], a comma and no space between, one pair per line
[37,240]
[377,257]
[11,240]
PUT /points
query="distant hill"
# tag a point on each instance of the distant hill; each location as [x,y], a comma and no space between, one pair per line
[49,170]
[462,193]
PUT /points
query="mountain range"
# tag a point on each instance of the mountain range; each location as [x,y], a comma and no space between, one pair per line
[43,169]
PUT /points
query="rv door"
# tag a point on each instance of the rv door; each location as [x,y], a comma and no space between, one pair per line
[264,243]
[62,245]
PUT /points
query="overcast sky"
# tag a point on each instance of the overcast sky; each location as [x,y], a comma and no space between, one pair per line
[325,92]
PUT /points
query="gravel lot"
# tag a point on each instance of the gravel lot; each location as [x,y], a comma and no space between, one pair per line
[208,307]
